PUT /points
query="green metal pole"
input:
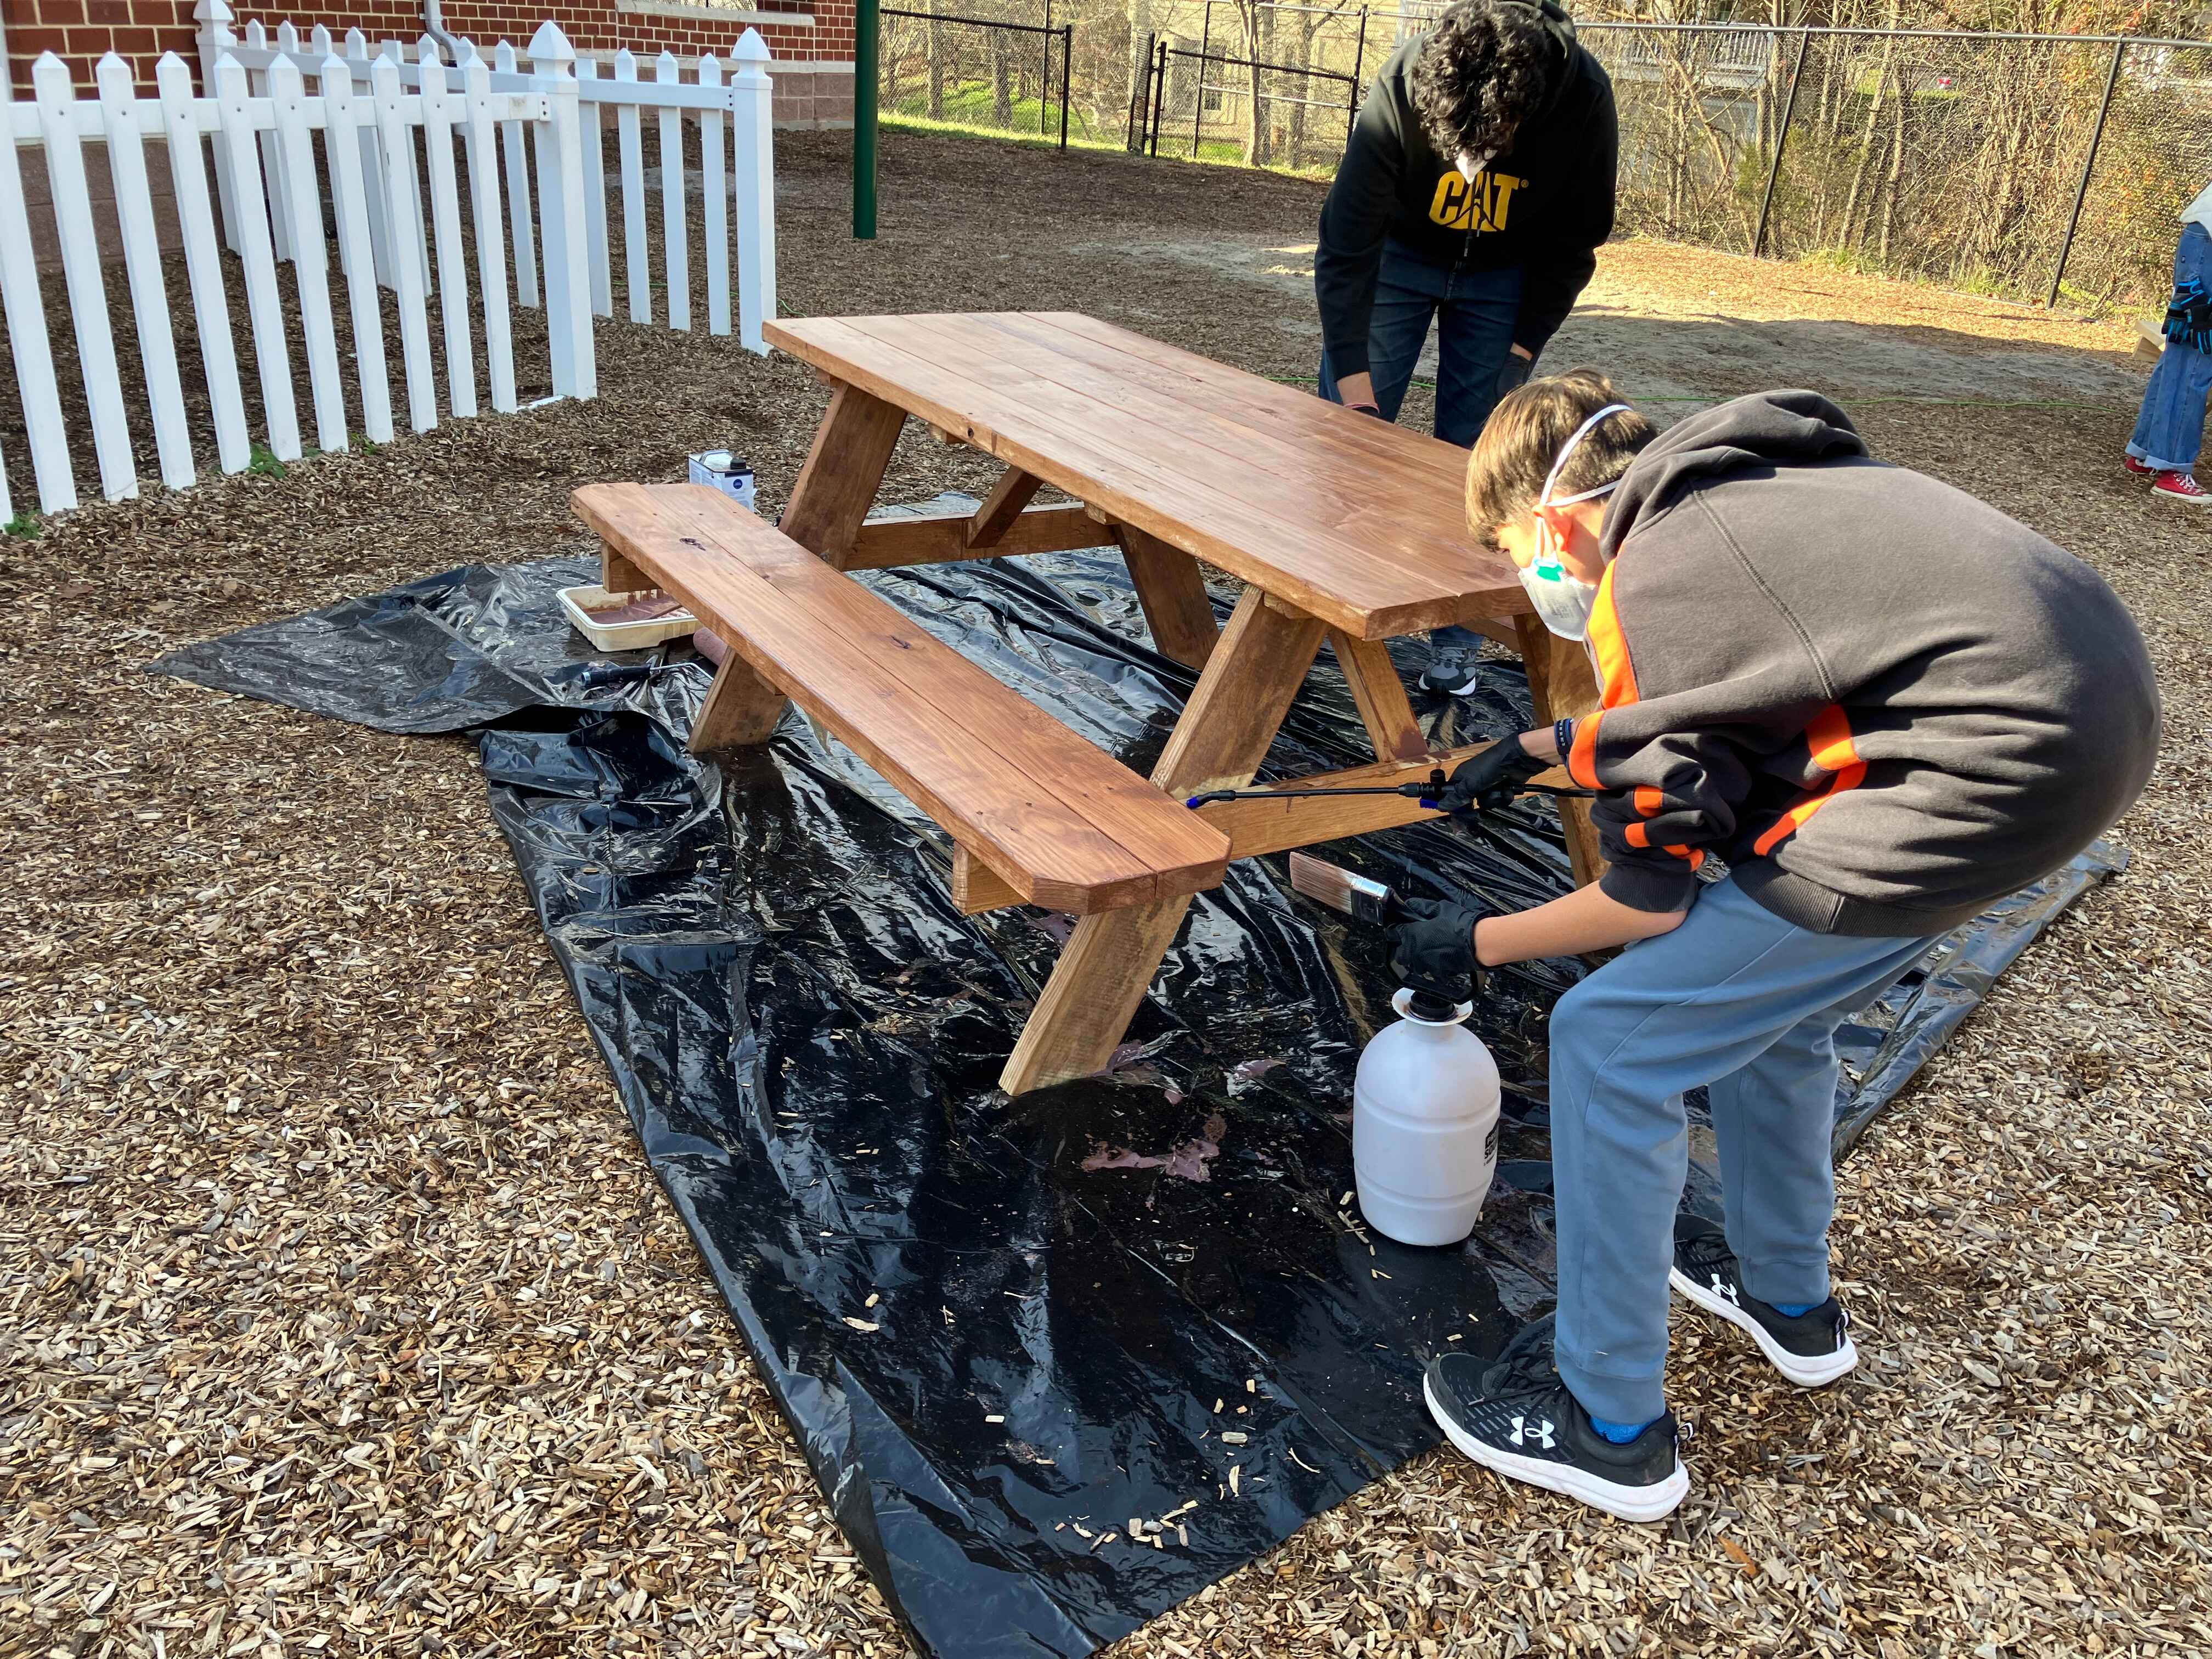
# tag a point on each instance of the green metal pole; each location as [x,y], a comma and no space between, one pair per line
[867,41]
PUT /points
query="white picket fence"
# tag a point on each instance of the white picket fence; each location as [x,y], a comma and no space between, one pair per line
[387,121]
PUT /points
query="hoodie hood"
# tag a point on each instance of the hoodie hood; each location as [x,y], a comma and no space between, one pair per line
[1767,430]
[1566,63]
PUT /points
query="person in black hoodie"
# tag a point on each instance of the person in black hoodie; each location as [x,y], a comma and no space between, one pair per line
[1476,188]
[1885,706]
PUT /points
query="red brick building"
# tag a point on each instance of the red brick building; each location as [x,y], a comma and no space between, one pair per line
[811,40]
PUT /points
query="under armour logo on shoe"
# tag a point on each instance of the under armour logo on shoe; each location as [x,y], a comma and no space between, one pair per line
[1727,1290]
[1522,1434]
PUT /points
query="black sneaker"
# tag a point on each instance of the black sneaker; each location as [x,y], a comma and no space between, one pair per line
[1513,1414]
[1450,670]
[1813,1348]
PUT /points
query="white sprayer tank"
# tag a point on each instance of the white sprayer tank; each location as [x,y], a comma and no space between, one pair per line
[1424,1126]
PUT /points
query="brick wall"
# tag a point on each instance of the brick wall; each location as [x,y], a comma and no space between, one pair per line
[80,31]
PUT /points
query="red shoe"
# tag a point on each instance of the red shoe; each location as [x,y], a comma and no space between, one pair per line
[2181,487]
[2137,467]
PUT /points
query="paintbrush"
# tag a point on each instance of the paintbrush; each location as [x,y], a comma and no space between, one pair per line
[1359,897]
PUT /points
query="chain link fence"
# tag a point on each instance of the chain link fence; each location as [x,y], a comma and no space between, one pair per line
[980,74]
[1996,163]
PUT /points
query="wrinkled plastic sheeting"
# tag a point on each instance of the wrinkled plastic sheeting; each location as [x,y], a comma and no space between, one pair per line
[1004,1328]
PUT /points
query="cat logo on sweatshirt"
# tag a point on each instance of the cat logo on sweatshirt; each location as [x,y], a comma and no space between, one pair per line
[1480,205]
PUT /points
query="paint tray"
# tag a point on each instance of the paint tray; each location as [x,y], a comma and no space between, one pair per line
[586,608]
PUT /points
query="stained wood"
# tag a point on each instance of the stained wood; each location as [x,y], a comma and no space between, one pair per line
[1002,507]
[1353,520]
[1218,743]
[1056,818]
[843,471]
[1561,684]
[942,539]
[977,888]
[1263,824]
[741,709]
[1380,695]
[1173,594]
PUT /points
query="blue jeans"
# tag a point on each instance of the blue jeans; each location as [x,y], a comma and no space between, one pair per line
[2171,428]
[1474,312]
[1747,1004]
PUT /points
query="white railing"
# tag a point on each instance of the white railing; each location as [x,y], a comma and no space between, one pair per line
[394,185]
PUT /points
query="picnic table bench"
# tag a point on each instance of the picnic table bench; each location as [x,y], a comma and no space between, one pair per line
[1343,529]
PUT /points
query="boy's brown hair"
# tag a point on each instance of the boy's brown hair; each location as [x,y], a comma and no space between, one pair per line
[1530,426]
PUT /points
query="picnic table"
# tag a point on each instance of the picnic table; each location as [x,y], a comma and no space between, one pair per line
[1345,530]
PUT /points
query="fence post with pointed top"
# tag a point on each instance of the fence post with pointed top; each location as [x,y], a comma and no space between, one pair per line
[560,217]
[752,121]
[215,39]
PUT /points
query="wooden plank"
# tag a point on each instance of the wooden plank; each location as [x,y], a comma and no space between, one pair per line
[511,140]
[350,200]
[1088,453]
[843,471]
[595,196]
[80,267]
[715,204]
[1218,743]
[1173,595]
[942,539]
[1057,818]
[44,430]
[1562,685]
[741,709]
[302,202]
[397,146]
[1298,452]
[675,237]
[442,110]
[142,252]
[196,230]
[1008,499]
[1380,695]
[977,888]
[491,240]
[636,272]
[258,263]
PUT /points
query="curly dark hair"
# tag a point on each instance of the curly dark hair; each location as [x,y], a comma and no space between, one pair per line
[1486,68]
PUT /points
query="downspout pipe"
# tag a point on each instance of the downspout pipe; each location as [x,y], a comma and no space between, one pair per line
[434,25]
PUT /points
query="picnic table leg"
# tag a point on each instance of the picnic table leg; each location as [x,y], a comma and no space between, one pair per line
[1380,695]
[1561,685]
[843,471]
[1218,743]
[1173,593]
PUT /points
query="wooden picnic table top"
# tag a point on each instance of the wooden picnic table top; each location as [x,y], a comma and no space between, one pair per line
[1352,520]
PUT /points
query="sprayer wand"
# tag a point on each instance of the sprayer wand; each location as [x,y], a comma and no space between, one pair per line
[1426,793]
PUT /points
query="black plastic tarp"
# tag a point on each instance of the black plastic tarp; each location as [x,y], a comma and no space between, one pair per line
[1003,1328]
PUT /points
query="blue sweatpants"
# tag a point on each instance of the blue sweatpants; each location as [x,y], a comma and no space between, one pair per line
[2171,428]
[1475,312]
[1747,1004]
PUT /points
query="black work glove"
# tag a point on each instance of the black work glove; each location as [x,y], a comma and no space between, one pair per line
[1491,778]
[1514,371]
[1432,950]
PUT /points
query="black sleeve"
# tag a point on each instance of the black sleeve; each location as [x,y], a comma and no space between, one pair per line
[1353,222]
[1558,273]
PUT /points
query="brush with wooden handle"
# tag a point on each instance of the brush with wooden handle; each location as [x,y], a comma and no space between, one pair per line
[1361,897]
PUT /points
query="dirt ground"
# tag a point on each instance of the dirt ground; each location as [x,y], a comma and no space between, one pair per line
[341,1315]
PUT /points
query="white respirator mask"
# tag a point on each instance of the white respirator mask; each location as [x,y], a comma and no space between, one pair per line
[1565,601]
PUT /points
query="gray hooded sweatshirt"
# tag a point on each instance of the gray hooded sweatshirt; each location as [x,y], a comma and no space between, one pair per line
[1884,704]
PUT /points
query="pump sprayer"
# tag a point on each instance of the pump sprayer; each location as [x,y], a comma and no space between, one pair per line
[1425,1102]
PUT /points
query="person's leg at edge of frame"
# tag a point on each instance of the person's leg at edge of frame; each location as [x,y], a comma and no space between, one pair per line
[1666,1015]
[2170,430]
[1474,335]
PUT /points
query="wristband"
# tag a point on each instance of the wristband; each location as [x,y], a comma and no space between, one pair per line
[1562,734]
